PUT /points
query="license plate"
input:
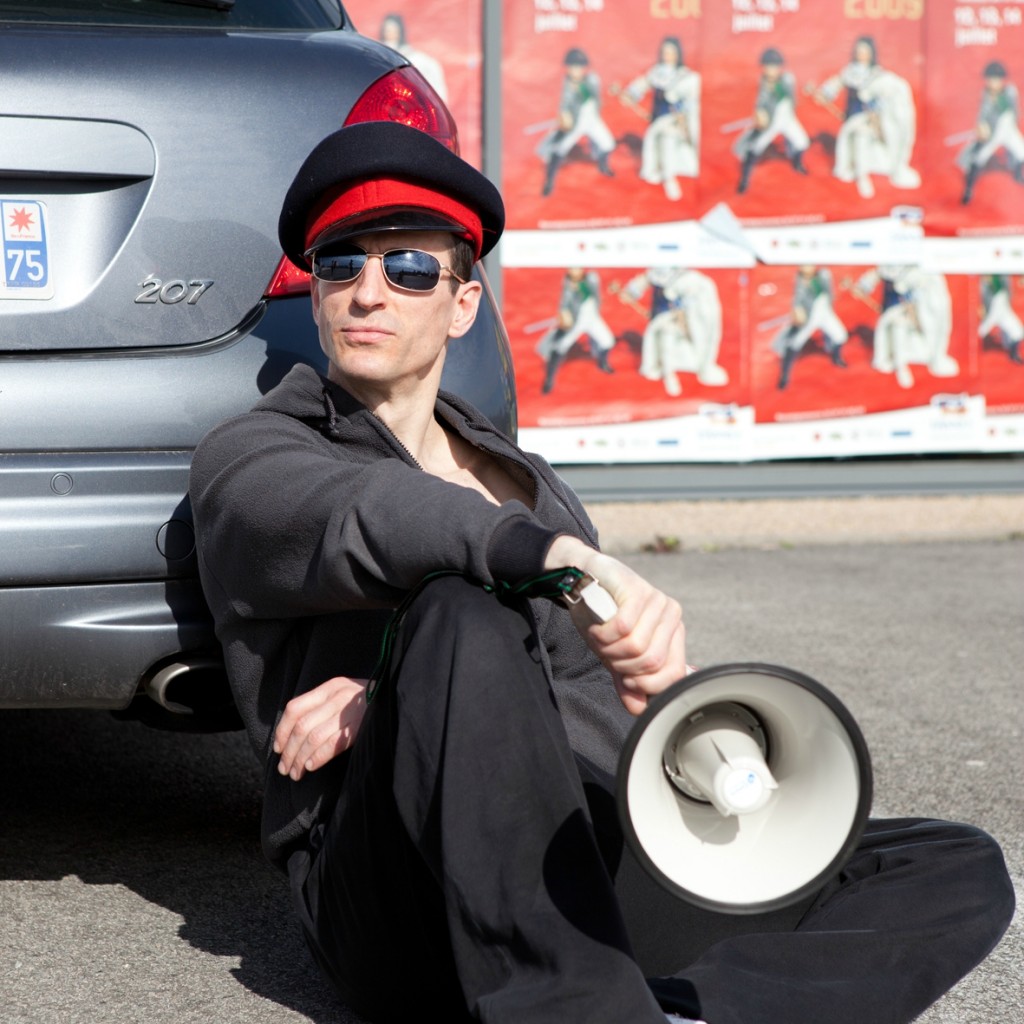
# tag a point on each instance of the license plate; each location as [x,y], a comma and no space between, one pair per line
[25,268]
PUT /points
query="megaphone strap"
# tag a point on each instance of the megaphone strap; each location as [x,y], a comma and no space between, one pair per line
[557,584]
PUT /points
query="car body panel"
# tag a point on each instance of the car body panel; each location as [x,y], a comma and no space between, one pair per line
[203,213]
[157,156]
[90,645]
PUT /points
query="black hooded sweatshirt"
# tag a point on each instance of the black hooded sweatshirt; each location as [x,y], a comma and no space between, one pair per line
[313,522]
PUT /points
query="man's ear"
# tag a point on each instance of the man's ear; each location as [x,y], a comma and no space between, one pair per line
[467,302]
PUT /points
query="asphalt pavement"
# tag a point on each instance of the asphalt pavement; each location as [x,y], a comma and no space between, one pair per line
[132,888]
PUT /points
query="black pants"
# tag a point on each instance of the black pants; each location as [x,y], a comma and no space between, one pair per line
[468,869]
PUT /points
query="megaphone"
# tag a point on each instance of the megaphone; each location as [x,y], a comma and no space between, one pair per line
[744,787]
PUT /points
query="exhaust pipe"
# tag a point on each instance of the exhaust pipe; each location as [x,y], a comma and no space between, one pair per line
[195,684]
[189,694]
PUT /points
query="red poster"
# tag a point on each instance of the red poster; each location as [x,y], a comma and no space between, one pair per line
[995,309]
[601,110]
[841,341]
[975,145]
[812,109]
[617,345]
[443,40]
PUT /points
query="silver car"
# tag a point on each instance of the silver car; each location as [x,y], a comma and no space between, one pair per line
[145,148]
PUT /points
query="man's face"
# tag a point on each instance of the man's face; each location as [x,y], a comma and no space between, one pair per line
[576,72]
[862,53]
[381,340]
[772,72]
[995,83]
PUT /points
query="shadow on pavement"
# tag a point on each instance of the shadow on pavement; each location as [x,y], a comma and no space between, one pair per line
[172,817]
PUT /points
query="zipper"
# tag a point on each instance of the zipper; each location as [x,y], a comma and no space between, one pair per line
[397,441]
[501,456]
[516,458]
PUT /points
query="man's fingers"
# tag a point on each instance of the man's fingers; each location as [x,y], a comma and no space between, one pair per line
[672,669]
[296,708]
[656,671]
[633,701]
[339,741]
[309,732]
[635,690]
[636,632]
[641,640]
[662,654]
[643,644]
[318,725]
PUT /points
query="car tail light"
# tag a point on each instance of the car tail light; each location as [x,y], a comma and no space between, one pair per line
[403,95]
[288,280]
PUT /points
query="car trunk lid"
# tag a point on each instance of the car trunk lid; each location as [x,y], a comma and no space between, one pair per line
[127,220]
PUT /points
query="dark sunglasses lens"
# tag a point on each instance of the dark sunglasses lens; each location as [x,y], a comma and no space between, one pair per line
[338,265]
[412,269]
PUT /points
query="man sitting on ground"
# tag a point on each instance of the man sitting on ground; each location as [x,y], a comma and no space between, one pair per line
[453,845]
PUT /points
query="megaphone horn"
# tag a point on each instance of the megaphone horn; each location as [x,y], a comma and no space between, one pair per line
[744,787]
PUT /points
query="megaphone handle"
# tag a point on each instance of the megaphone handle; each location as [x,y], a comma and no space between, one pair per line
[588,591]
[601,604]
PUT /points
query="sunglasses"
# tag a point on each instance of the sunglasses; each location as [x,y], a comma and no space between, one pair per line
[412,270]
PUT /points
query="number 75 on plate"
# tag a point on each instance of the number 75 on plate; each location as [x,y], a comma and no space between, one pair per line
[26,269]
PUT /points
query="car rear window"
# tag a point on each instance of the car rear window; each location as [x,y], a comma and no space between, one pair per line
[243,14]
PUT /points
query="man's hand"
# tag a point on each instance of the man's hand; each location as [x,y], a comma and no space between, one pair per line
[318,725]
[644,644]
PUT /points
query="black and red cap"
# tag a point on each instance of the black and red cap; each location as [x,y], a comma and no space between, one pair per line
[362,175]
